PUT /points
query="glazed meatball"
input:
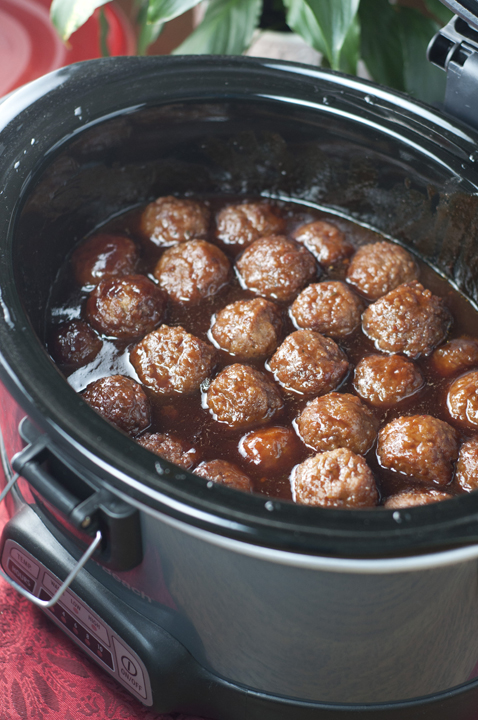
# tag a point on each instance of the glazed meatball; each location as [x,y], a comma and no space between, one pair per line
[192,271]
[467,466]
[169,220]
[325,241]
[456,356]
[408,320]
[225,473]
[170,361]
[337,420]
[377,268]
[125,308]
[309,363]
[120,400]
[242,397]
[411,498]
[170,448]
[420,446]
[74,343]
[271,448]
[248,328]
[242,224]
[385,380]
[337,479]
[462,399]
[328,307]
[275,267]
[104,256]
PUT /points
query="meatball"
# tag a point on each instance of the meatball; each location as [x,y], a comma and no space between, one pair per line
[337,420]
[169,220]
[192,271]
[103,256]
[467,466]
[248,328]
[125,308]
[242,224]
[462,399]
[309,363]
[410,498]
[225,473]
[385,380]
[275,267]
[120,400]
[170,361]
[74,343]
[170,448]
[325,241]
[408,320]
[336,478]
[420,446]
[242,397]
[329,307]
[456,356]
[377,268]
[271,448]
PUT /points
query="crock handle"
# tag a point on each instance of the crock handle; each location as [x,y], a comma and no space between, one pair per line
[83,506]
[71,576]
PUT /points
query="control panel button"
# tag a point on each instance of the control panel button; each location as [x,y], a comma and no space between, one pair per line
[78,609]
[25,562]
[50,584]
[80,632]
[95,626]
[18,574]
[129,669]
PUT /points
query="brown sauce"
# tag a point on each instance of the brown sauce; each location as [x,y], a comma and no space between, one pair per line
[185,416]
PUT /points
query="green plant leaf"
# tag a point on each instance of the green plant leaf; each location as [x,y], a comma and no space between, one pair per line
[381,45]
[302,20]
[68,15]
[226,29]
[147,32]
[104,32]
[334,18]
[350,53]
[422,79]
[439,11]
[166,10]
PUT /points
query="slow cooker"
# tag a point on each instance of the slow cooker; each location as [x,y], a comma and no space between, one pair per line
[195,597]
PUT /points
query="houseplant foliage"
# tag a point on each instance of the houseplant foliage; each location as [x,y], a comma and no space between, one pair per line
[389,37]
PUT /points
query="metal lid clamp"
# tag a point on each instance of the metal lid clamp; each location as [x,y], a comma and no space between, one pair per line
[455,49]
[72,574]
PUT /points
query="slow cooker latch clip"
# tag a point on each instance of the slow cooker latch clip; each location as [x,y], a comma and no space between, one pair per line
[455,49]
[39,602]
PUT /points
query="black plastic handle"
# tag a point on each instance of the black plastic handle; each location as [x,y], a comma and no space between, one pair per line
[29,464]
[85,506]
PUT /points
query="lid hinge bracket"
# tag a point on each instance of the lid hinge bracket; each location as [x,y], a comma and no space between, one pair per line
[455,50]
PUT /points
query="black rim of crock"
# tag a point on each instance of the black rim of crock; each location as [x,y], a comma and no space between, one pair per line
[35,122]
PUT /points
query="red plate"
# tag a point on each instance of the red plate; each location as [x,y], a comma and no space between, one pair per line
[30,46]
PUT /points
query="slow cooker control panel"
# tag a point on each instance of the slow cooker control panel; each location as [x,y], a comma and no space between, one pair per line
[78,621]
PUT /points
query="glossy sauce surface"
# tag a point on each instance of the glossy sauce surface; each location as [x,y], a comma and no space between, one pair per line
[186,416]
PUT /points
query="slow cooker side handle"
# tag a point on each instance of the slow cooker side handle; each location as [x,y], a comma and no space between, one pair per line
[95,509]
